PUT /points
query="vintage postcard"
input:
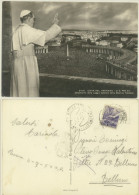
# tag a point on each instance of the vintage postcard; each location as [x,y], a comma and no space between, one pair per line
[69,147]
[69,49]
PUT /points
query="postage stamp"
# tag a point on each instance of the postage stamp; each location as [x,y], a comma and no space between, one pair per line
[112,116]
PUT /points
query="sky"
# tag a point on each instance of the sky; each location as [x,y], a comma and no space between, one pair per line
[80,15]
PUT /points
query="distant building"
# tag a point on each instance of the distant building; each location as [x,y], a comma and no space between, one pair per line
[70,37]
[55,43]
[120,45]
[103,33]
[77,43]
[103,43]
[84,36]
[92,40]
[123,31]
[96,37]
[124,39]
[114,41]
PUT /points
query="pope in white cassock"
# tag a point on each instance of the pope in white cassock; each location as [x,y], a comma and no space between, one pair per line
[24,72]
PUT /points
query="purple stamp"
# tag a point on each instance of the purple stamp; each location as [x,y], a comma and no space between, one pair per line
[112,116]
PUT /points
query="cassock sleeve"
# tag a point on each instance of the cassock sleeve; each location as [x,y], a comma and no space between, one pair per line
[52,32]
[32,35]
[39,37]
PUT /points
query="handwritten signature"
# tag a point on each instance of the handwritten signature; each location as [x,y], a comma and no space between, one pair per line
[25,122]
[33,132]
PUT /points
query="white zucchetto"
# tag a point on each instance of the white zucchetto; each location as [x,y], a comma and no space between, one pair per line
[24,13]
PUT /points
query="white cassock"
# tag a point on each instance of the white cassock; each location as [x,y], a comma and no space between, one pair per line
[24,71]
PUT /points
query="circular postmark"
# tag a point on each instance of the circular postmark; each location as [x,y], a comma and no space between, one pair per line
[79,116]
[112,115]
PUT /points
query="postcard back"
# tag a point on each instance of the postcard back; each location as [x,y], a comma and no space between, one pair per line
[61,146]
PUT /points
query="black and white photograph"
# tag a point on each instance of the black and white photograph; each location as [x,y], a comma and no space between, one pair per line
[69,49]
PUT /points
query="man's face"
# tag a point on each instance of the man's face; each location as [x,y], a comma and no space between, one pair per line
[32,21]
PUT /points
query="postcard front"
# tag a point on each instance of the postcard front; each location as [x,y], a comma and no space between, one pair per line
[69,49]
[59,147]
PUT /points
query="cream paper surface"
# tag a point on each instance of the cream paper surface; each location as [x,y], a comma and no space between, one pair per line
[58,147]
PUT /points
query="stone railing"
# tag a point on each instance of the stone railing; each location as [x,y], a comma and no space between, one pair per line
[116,65]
